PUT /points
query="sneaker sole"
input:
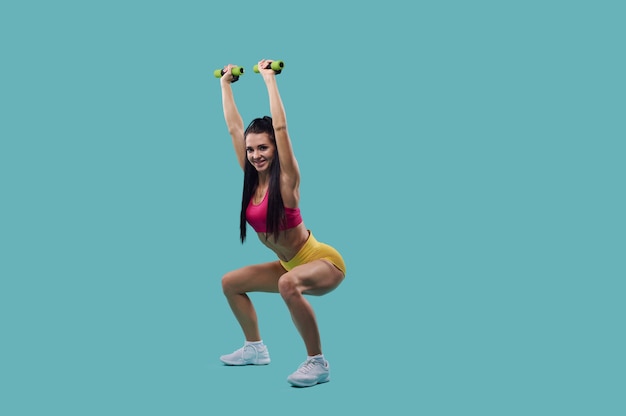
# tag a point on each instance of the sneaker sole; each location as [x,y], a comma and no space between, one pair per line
[242,364]
[299,384]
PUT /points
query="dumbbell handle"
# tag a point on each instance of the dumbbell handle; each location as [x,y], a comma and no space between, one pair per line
[277,66]
[236,71]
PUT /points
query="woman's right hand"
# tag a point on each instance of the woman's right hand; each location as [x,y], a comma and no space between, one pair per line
[228,77]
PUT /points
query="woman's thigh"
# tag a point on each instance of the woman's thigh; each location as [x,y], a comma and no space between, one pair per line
[254,278]
[315,278]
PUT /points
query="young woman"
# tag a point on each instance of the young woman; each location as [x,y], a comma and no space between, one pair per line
[270,205]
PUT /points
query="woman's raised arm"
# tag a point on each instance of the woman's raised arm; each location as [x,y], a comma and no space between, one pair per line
[233,119]
[288,163]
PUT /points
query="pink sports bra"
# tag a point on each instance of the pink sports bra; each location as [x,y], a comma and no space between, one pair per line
[256,215]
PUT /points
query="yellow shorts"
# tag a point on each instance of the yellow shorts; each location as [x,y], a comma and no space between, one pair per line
[314,250]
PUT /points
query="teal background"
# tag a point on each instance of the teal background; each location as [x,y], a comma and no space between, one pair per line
[467,159]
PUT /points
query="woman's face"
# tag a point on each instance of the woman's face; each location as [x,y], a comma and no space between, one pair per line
[260,151]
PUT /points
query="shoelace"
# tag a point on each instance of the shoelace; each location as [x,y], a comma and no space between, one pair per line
[308,365]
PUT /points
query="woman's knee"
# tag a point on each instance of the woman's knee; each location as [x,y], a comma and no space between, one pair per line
[288,285]
[230,282]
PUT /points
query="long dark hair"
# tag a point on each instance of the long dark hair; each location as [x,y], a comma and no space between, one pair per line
[275,207]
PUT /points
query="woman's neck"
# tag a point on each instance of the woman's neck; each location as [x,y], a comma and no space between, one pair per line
[264,181]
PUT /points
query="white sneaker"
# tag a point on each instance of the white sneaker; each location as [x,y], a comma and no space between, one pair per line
[248,355]
[310,373]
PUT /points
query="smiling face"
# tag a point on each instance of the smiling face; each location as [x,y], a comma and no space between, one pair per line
[260,151]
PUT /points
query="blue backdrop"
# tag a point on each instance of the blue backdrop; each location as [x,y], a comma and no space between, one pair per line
[467,159]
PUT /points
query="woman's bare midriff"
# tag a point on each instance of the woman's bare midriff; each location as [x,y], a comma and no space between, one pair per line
[289,242]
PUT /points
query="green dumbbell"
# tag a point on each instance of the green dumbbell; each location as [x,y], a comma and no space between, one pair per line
[277,66]
[237,71]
